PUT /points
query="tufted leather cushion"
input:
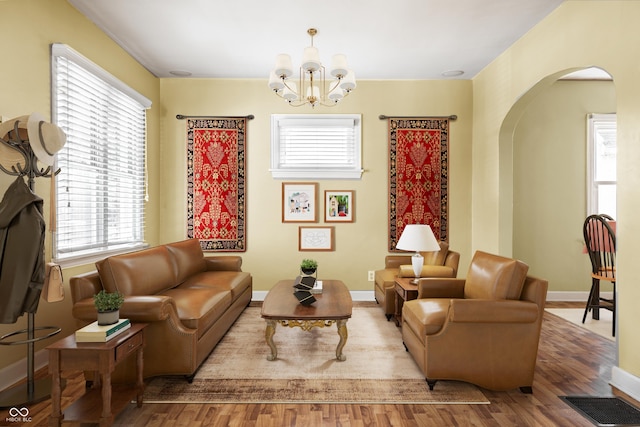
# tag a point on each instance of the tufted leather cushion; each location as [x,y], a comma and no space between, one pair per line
[188,258]
[146,272]
[425,316]
[494,277]
[437,257]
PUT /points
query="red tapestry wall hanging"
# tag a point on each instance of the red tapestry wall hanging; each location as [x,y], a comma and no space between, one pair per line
[418,175]
[216,179]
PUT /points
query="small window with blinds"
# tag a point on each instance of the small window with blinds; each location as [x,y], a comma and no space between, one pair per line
[314,146]
[101,187]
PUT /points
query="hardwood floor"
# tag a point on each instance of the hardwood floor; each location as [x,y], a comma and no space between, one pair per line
[571,361]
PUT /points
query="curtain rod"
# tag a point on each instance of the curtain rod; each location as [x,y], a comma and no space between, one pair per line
[451,117]
[249,117]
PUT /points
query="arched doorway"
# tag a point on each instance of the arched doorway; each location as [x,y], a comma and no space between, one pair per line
[543,179]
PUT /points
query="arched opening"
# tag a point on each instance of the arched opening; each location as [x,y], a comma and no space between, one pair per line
[543,175]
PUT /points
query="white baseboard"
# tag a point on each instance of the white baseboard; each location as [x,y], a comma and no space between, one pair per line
[17,371]
[625,382]
[551,296]
[573,296]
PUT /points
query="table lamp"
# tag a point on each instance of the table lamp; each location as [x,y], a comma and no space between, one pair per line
[419,238]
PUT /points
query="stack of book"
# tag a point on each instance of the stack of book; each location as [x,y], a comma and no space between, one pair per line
[317,288]
[303,286]
[98,333]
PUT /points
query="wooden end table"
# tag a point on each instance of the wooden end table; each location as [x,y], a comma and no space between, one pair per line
[405,291]
[97,405]
[333,305]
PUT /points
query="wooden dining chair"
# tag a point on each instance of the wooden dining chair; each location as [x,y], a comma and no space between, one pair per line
[600,241]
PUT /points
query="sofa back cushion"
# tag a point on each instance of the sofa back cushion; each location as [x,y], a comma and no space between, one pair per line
[146,272]
[436,257]
[494,277]
[188,258]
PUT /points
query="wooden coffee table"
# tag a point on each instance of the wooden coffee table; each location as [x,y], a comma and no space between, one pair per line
[333,305]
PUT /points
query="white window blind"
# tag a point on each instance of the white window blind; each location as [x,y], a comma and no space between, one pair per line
[315,146]
[601,167]
[101,187]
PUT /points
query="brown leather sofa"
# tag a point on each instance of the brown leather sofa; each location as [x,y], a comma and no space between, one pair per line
[483,329]
[442,263]
[189,301]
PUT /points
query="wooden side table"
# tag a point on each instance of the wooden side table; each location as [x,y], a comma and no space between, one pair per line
[405,291]
[98,404]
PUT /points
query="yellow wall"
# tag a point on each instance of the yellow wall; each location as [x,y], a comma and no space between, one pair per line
[578,34]
[272,246]
[549,197]
[28,29]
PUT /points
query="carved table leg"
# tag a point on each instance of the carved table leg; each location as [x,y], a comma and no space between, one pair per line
[342,331]
[268,334]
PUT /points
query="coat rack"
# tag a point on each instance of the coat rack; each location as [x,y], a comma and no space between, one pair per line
[32,391]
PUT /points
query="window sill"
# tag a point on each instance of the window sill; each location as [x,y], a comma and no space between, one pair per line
[76,261]
[315,174]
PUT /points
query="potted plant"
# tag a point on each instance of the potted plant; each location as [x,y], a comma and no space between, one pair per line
[308,266]
[108,306]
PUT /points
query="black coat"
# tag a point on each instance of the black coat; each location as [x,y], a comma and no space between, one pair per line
[22,235]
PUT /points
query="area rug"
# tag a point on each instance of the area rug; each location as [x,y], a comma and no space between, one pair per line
[216,177]
[377,369]
[602,327]
[418,175]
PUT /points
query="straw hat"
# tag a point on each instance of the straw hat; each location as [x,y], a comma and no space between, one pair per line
[45,138]
[9,156]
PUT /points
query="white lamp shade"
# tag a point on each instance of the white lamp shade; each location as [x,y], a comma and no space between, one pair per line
[311,59]
[348,83]
[339,65]
[275,83]
[289,92]
[336,95]
[284,65]
[313,91]
[419,238]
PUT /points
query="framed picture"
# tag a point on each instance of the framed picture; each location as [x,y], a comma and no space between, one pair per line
[315,238]
[299,202]
[339,206]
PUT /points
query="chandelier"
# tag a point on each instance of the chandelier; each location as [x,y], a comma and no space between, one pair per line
[312,87]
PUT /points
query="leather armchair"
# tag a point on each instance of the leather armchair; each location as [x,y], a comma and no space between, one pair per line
[443,263]
[483,329]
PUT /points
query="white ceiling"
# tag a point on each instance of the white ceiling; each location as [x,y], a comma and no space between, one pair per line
[401,39]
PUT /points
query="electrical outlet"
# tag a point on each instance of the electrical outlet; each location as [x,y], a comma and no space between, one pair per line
[370,276]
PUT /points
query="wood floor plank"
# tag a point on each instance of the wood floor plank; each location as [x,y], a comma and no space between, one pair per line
[571,361]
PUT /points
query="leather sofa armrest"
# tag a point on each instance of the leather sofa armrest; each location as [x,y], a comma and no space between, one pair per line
[427,271]
[452,260]
[437,287]
[492,311]
[223,263]
[151,308]
[395,261]
[84,286]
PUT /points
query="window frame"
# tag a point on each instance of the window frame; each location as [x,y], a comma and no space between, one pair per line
[593,122]
[303,171]
[138,223]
